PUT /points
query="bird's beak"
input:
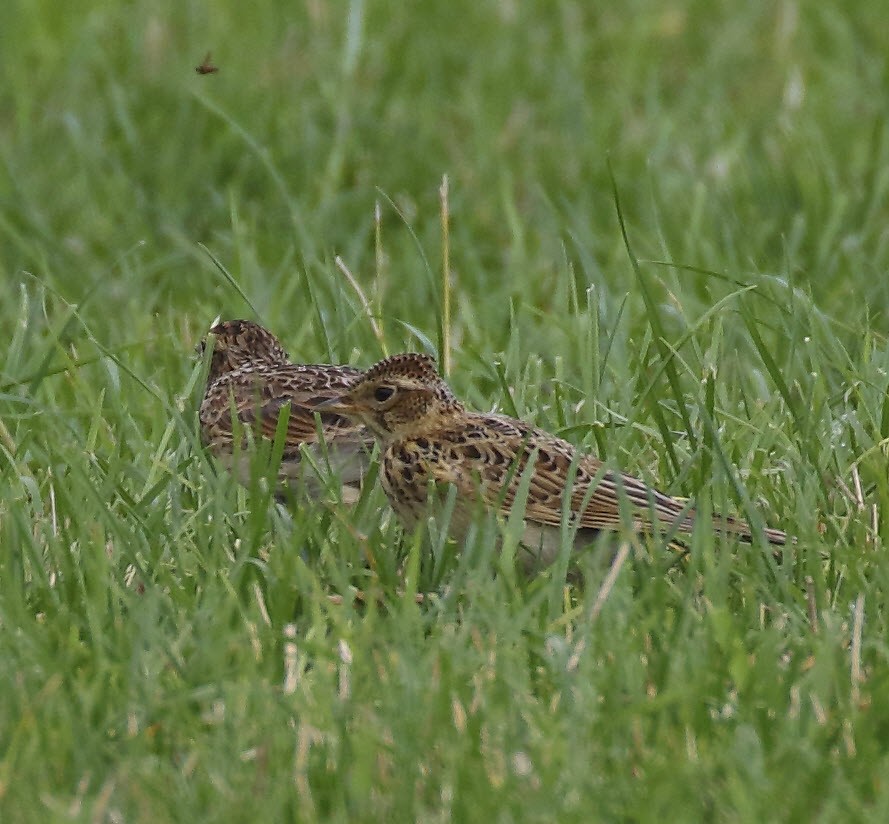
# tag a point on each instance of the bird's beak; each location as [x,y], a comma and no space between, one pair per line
[203,345]
[338,403]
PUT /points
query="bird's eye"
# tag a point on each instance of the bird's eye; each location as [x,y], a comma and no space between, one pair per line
[383,393]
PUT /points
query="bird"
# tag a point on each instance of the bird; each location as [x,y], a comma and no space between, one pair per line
[430,442]
[252,380]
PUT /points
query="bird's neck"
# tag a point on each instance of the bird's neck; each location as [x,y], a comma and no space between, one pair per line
[428,428]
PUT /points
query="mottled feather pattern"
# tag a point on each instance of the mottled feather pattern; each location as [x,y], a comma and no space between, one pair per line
[252,381]
[258,395]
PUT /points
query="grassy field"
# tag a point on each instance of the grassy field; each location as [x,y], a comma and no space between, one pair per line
[168,649]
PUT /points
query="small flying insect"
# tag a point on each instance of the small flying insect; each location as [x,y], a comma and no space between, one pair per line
[206,66]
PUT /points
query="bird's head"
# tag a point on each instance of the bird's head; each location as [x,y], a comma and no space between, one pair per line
[239,343]
[401,396]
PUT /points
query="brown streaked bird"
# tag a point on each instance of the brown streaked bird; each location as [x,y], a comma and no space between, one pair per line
[429,440]
[252,380]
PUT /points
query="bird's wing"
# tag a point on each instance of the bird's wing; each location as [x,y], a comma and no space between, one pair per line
[258,396]
[490,456]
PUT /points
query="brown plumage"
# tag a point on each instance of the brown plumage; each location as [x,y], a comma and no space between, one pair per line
[429,440]
[252,380]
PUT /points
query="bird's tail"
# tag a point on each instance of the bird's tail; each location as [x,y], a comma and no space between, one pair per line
[733,526]
[676,513]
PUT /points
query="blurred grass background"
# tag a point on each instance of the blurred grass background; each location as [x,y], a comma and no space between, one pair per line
[167,649]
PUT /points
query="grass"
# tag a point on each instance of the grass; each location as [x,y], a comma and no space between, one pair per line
[667,239]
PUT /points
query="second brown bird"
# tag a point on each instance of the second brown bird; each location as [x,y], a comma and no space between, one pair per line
[252,381]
